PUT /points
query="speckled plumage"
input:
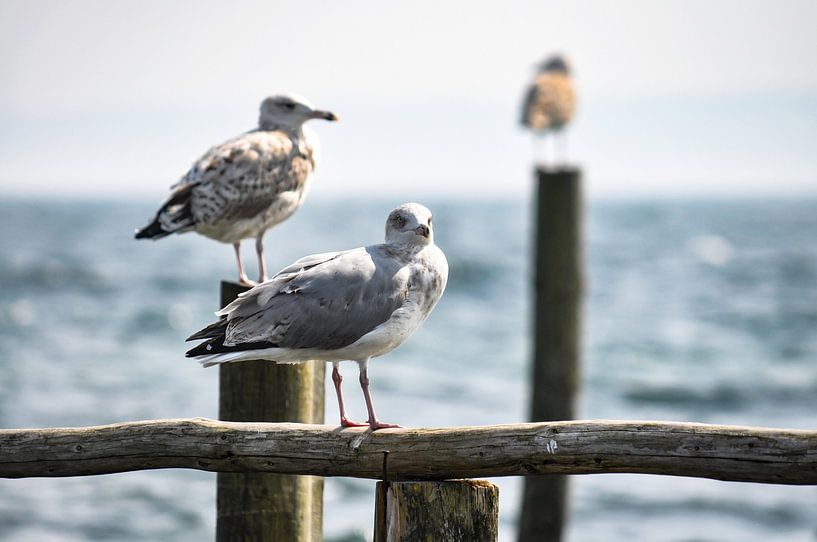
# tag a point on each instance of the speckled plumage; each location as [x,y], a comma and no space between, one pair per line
[241,188]
[249,184]
[550,100]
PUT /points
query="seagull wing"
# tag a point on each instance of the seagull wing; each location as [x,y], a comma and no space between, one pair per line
[323,301]
[530,99]
[245,176]
[174,215]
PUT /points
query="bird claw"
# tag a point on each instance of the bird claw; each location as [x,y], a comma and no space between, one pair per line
[345,422]
[244,281]
[375,425]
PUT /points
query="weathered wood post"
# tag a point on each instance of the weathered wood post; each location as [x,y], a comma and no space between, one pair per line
[557,331]
[451,510]
[258,506]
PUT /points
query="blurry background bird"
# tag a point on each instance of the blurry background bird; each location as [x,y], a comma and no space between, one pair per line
[244,186]
[549,105]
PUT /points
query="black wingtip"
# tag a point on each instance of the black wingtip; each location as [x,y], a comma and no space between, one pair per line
[153,230]
[216,329]
[202,349]
[216,346]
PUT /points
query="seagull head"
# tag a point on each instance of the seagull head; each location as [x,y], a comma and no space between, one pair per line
[555,64]
[410,224]
[289,110]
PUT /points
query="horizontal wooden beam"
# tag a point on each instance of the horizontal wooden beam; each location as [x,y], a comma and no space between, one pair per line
[747,454]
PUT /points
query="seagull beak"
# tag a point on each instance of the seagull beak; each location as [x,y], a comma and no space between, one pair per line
[325,115]
[423,231]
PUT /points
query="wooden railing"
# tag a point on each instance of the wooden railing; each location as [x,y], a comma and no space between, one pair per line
[746,454]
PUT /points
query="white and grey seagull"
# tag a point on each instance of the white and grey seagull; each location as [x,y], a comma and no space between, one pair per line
[246,185]
[351,305]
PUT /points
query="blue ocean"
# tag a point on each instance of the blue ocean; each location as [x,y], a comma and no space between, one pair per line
[696,310]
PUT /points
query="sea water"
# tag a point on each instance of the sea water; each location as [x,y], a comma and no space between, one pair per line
[699,310]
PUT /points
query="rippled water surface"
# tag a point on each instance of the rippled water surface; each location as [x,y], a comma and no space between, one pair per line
[696,311]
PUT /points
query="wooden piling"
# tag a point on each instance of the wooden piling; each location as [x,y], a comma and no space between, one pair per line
[260,506]
[450,510]
[557,330]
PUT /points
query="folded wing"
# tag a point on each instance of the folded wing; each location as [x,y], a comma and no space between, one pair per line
[323,301]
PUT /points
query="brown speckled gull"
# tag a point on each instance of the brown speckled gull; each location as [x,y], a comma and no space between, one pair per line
[550,100]
[248,184]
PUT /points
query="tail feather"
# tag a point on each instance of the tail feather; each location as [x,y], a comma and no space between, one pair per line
[214,345]
[218,359]
[153,230]
[175,215]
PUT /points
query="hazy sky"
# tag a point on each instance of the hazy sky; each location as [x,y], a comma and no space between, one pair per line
[117,98]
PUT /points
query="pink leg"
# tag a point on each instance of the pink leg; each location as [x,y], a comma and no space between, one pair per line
[374,423]
[242,276]
[337,379]
[262,265]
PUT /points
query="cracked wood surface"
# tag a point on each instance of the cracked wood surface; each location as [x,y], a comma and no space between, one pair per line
[747,454]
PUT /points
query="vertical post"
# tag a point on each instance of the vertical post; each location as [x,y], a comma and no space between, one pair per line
[269,507]
[557,330]
[451,510]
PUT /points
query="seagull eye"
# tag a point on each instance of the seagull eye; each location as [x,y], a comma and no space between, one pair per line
[398,221]
[288,105]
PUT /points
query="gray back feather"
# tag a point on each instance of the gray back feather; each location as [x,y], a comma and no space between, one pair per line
[324,301]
